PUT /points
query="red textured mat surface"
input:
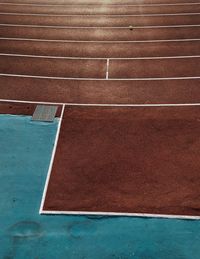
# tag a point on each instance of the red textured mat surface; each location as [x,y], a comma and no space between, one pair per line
[128,160]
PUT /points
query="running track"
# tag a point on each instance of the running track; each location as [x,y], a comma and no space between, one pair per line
[88,53]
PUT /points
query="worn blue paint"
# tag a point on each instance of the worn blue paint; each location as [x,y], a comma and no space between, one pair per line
[24,157]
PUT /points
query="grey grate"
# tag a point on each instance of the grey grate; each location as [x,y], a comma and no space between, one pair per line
[45,113]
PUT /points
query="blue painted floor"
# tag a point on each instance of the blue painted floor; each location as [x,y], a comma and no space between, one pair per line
[24,158]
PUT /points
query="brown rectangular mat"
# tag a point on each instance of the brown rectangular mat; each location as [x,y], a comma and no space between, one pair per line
[127,160]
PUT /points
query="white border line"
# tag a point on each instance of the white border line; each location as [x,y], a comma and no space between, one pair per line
[102,105]
[33,102]
[55,57]
[52,159]
[104,4]
[149,215]
[101,79]
[98,27]
[99,41]
[92,58]
[99,15]
[107,68]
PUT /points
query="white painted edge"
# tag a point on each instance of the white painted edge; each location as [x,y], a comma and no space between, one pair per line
[92,58]
[99,41]
[95,4]
[101,79]
[107,68]
[52,159]
[50,57]
[99,15]
[102,105]
[145,215]
[99,27]
[28,101]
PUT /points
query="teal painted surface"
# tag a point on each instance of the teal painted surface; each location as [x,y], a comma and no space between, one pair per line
[24,157]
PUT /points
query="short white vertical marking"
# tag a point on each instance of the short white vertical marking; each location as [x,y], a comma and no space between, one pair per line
[107,68]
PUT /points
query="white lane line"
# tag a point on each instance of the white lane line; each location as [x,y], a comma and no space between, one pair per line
[52,159]
[144,215]
[156,58]
[49,57]
[99,41]
[88,58]
[103,104]
[100,15]
[107,68]
[101,79]
[104,4]
[98,27]
[28,101]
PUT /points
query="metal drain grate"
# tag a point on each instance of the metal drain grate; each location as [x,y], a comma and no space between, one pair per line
[45,113]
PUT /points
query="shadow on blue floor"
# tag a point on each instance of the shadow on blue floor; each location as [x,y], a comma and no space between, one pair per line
[24,157]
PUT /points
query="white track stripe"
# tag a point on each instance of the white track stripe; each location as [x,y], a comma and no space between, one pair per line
[102,105]
[102,79]
[28,101]
[90,4]
[107,68]
[98,27]
[50,57]
[168,216]
[52,158]
[88,58]
[99,41]
[99,15]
